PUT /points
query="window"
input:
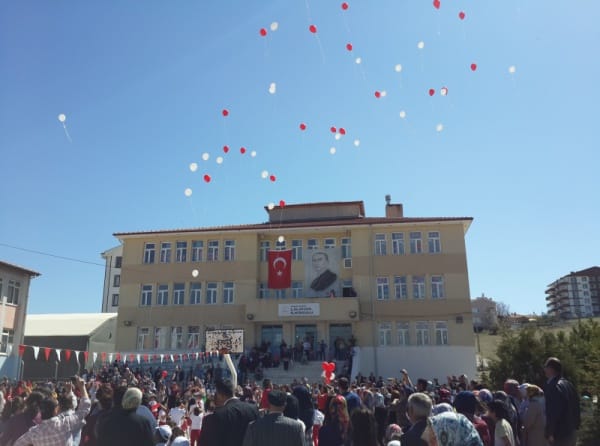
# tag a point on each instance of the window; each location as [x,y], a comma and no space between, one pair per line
[346,248]
[329,243]
[385,333]
[397,243]
[162,295]
[297,289]
[178,293]
[229,254]
[380,245]
[402,328]
[181,252]
[146,300]
[211,293]
[118,261]
[117,280]
[197,250]
[213,251]
[149,250]
[416,243]
[400,288]
[280,245]
[347,289]
[383,288]
[264,251]
[176,338]
[195,293]
[228,292]
[296,249]
[165,252]
[13,289]
[263,291]
[115,300]
[418,283]
[193,339]
[441,333]
[143,338]
[437,287]
[422,332]
[6,341]
[160,337]
[433,239]
[280,294]
[312,243]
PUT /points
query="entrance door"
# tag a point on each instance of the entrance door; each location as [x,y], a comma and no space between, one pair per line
[274,335]
[339,340]
[307,333]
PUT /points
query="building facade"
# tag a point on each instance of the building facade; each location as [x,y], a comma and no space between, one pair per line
[396,286]
[485,315]
[112,279]
[14,296]
[575,295]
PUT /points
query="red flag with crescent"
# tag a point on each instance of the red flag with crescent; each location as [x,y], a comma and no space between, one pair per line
[280,269]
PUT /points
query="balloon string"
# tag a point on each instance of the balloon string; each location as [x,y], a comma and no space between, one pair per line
[307,10]
[67,132]
[321,49]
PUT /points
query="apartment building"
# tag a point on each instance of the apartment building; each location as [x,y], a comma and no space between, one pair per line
[112,279]
[397,286]
[575,295]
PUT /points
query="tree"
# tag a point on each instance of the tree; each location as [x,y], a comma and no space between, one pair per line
[502,309]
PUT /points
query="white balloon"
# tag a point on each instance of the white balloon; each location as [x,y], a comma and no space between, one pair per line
[205,156]
[264,174]
[338,136]
[403,114]
[253,154]
[193,167]
[332,150]
[443,91]
[219,160]
[188,192]
[398,68]
[358,60]
[62,118]
[439,127]
[357,142]
[383,94]
[512,69]
[274,26]
[195,273]
[421,45]
[273,88]
[281,239]
[271,206]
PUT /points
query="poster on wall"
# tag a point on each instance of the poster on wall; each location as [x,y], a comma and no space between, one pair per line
[230,340]
[322,272]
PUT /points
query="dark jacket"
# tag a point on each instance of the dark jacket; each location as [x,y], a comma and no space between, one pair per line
[226,426]
[274,429]
[323,281]
[562,408]
[121,427]
[412,437]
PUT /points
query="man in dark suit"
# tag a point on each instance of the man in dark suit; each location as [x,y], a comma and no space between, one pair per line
[324,276]
[419,409]
[275,429]
[227,425]
[562,406]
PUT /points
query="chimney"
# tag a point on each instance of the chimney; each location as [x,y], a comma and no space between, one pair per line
[393,210]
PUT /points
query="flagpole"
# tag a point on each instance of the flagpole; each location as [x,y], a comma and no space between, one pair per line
[231,367]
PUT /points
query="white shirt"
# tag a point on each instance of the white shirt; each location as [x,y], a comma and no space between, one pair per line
[177,414]
[196,421]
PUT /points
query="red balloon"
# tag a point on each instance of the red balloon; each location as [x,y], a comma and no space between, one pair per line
[333,130]
[302,126]
[164,373]
[342,131]
[225,112]
[272,178]
[225,149]
[437,4]
[281,203]
[473,66]
[349,46]
[345,6]
[377,94]
[431,92]
[242,150]
[263,32]
[312,29]
[461,15]
[207,178]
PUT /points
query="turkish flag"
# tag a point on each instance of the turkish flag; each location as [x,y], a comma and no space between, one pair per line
[280,269]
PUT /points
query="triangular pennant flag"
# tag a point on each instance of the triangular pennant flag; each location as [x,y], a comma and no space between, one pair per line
[36,351]
[161,358]
[131,357]
[67,354]
[110,357]
[85,356]
[185,357]
[103,356]
[138,357]
[21,350]
[47,352]
[118,357]
[95,356]
[9,349]
[172,360]
[146,357]
[77,352]
[58,350]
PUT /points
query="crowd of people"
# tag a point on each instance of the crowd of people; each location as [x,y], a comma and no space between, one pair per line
[119,406]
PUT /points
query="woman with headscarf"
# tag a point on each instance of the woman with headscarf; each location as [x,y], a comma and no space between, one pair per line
[364,428]
[450,429]
[305,411]
[335,430]
[534,418]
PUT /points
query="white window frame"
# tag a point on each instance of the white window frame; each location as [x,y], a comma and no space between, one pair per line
[400,288]
[162,294]
[263,290]
[437,287]
[297,249]
[13,289]
[280,294]
[441,333]
[229,253]
[380,245]
[297,289]
[312,243]
[398,243]
[416,242]
[116,280]
[115,300]
[211,293]
[385,333]
[161,335]
[194,337]
[176,338]
[403,333]
[165,252]
[383,288]
[228,292]
[143,336]
[178,293]
[418,285]
[212,253]
[422,329]
[197,250]
[149,253]
[265,247]
[195,293]
[346,243]
[328,243]
[433,242]
[146,295]
[181,251]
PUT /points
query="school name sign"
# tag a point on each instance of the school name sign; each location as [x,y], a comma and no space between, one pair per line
[296,310]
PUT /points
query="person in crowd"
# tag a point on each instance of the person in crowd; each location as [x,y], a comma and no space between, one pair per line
[54,430]
[227,425]
[11,408]
[466,403]
[178,412]
[534,418]
[513,400]
[144,411]
[364,428]
[178,437]
[305,409]
[419,410]
[162,434]
[503,433]
[352,399]
[391,431]
[20,423]
[123,426]
[335,430]
[563,415]
[196,418]
[275,429]
[450,429]
[104,402]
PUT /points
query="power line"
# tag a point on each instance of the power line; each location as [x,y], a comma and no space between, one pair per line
[70,259]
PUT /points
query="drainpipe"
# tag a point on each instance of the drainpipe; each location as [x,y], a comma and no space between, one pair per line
[371,283]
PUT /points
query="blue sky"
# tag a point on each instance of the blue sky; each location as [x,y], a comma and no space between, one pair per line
[142,89]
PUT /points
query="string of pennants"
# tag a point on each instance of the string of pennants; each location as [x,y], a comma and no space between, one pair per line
[109,357]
